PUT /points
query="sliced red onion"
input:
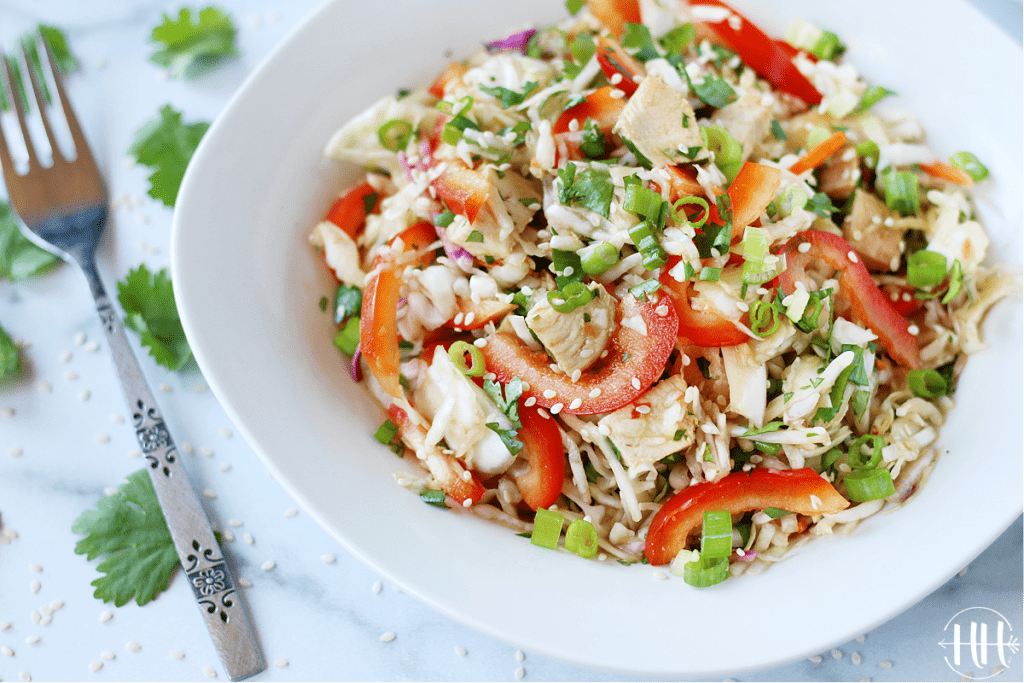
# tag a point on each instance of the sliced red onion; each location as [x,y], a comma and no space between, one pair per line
[357,366]
[516,41]
[403,160]
[453,251]
[747,556]
[425,156]
[403,301]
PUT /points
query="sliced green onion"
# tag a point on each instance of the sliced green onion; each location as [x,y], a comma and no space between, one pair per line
[581,538]
[455,108]
[644,289]
[716,536]
[647,244]
[680,217]
[818,135]
[956,280]
[901,192]
[927,383]
[755,249]
[642,201]
[969,163]
[444,219]
[871,96]
[764,318]
[547,527]
[598,257]
[433,497]
[830,458]
[792,199]
[869,152]
[706,572]
[827,46]
[856,457]
[570,297]
[395,134]
[457,353]
[768,448]
[453,130]
[777,131]
[775,513]
[347,339]
[386,433]
[926,268]
[865,485]
[709,274]
[728,152]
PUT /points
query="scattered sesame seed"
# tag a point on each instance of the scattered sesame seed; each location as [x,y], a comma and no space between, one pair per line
[742,305]
[109,656]
[95,666]
[549,393]
[377,587]
[520,656]
[7,412]
[84,396]
[227,535]
[247,537]
[132,646]
[6,649]
[116,419]
[885,664]
[4,625]
[210,671]
[103,438]
[71,376]
[177,654]
[616,78]
[35,586]
[595,392]
[556,409]
[281,663]
[45,387]
[576,374]
[36,616]
[79,338]
[16,452]
[617,94]
[135,453]
[268,565]
[658,574]
[24,675]
[460,651]
[65,357]
[531,400]
[225,432]
[327,558]
[56,604]
[635,383]
[92,347]
[480,343]
[860,639]
[576,403]
[235,522]
[543,413]
[209,493]
[855,658]
[962,573]
[643,409]
[106,616]
[804,247]
[815,659]
[224,466]
[166,388]
[913,329]
[208,452]
[852,255]
[291,512]
[837,653]
[520,672]
[387,637]
[245,583]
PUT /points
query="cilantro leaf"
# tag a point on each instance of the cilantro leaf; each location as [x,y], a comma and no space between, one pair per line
[509,404]
[821,205]
[591,189]
[128,529]
[148,302]
[508,437]
[510,98]
[713,90]
[190,47]
[10,358]
[166,145]
[639,36]
[19,256]
[65,61]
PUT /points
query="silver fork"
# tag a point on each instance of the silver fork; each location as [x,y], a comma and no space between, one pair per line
[65,206]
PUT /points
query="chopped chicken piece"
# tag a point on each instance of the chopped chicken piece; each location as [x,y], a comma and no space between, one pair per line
[661,125]
[577,338]
[865,229]
[748,119]
[655,425]
[840,173]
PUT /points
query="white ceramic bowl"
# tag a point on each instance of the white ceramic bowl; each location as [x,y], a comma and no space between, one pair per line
[248,285]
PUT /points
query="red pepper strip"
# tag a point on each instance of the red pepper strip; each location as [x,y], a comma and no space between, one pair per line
[821,151]
[614,60]
[476,314]
[940,169]
[903,299]
[451,73]
[682,182]
[615,14]
[348,211]
[463,189]
[751,191]
[703,327]
[378,318]
[599,106]
[447,471]
[762,54]
[870,306]
[542,447]
[801,491]
[792,51]
[632,364]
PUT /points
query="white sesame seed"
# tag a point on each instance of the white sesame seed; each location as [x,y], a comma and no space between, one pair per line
[106,616]
[92,347]
[136,453]
[132,646]
[543,413]
[291,512]
[460,651]
[889,222]
[327,558]
[576,374]
[166,388]
[56,604]
[855,658]
[45,387]
[225,432]
[635,383]
[815,659]
[885,664]
[95,666]
[520,656]
[549,393]
[268,565]
[65,357]
[660,575]
[4,625]
[913,329]
[962,573]
[595,392]
[84,396]
[209,493]
[837,653]
[177,654]
[643,410]
[387,637]
[574,125]
[852,255]
[467,503]
[377,587]
[604,429]
[35,586]
[860,639]
[742,305]
[520,672]
[576,403]
[281,663]
[530,400]
[556,409]
[235,522]
[224,466]
[109,656]
[116,419]
[103,438]
[71,376]
[7,412]
[205,451]
[245,583]
[616,78]
[6,649]
[617,94]
[16,452]
[804,247]
[24,675]
[210,671]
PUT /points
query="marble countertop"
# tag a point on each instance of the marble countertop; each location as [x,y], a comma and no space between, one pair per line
[319,614]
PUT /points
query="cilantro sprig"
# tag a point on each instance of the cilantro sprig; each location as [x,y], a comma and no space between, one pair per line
[166,145]
[128,529]
[10,358]
[509,405]
[148,302]
[194,42]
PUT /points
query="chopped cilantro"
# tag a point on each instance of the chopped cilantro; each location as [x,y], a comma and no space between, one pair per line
[508,437]
[510,98]
[10,358]
[166,145]
[194,42]
[777,131]
[713,90]
[19,256]
[821,205]
[148,302]
[128,529]
[590,188]
[509,402]
[443,220]
[593,140]
[678,39]
[574,6]
[433,497]
[348,301]
[475,236]
[639,36]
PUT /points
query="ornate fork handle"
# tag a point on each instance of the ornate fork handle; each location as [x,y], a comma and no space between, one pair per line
[201,557]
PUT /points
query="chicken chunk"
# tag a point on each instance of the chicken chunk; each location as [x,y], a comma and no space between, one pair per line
[865,229]
[657,424]
[748,119]
[577,338]
[661,125]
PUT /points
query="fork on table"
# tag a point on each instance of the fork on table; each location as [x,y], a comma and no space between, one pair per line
[64,207]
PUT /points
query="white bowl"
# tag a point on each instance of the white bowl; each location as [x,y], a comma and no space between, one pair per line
[248,286]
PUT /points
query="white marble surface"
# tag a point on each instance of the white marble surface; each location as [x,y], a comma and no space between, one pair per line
[319,614]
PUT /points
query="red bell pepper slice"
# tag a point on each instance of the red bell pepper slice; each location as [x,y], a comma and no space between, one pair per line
[542,447]
[599,106]
[615,60]
[447,471]
[348,211]
[378,318]
[463,189]
[700,327]
[476,314]
[633,363]
[801,491]
[870,306]
[451,73]
[761,53]
[615,14]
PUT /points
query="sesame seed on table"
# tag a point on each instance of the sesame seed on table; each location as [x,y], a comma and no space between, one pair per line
[317,611]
